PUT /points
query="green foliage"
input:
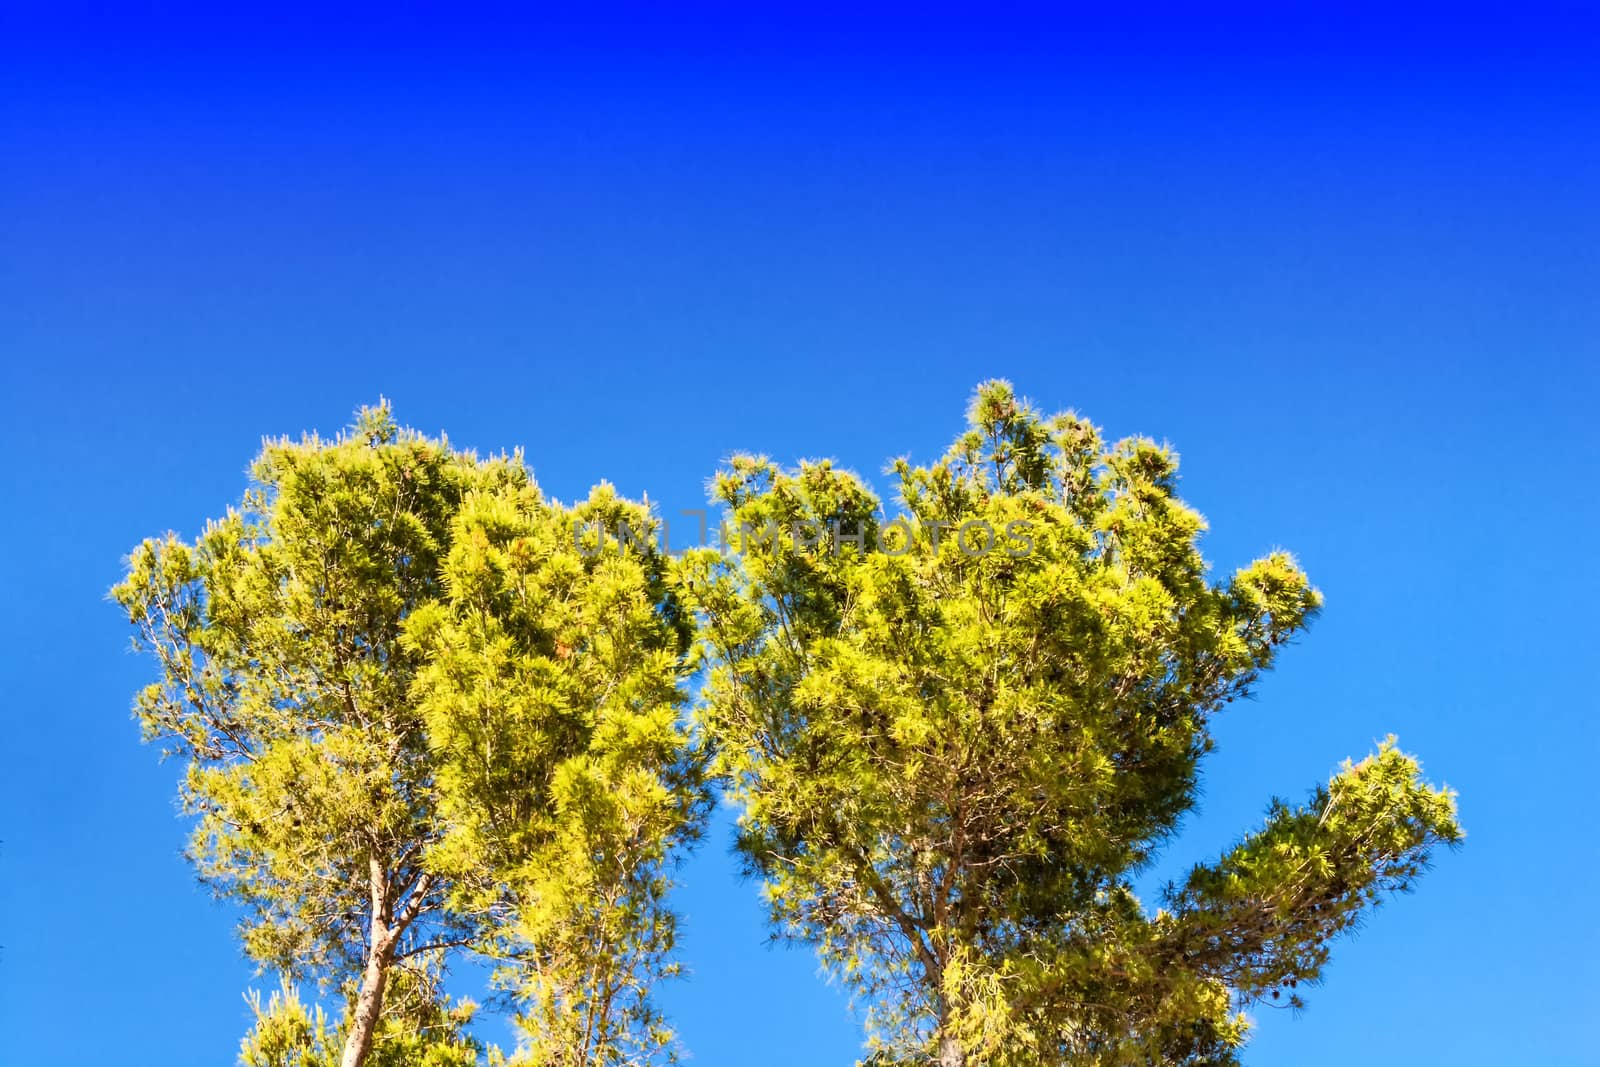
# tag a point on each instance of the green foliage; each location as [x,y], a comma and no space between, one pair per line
[415,718]
[1261,917]
[423,708]
[950,762]
[422,1027]
[284,684]
[553,703]
[287,1033]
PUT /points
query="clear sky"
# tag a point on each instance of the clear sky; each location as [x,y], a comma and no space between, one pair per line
[1346,264]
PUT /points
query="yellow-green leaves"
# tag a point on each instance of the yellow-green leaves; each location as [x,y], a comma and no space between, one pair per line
[953,749]
[284,682]
[425,708]
[1261,917]
[567,779]
[418,715]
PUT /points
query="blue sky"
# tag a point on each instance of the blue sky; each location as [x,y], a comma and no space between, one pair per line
[1345,263]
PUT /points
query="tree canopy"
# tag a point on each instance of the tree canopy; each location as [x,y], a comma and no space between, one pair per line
[427,711]
[567,779]
[955,737]
[416,717]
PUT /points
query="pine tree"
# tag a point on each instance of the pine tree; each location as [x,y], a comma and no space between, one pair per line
[420,1026]
[553,698]
[419,716]
[285,685]
[955,737]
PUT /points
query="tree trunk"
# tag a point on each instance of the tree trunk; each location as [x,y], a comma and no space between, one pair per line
[369,1001]
[382,936]
[950,1053]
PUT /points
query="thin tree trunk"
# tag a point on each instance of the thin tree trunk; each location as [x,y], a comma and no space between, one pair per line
[950,1053]
[369,1001]
[381,939]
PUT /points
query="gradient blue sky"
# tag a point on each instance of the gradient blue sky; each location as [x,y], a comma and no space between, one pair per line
[1346,263]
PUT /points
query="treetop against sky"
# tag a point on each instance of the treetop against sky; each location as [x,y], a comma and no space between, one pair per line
[431,715]
[1343,260]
